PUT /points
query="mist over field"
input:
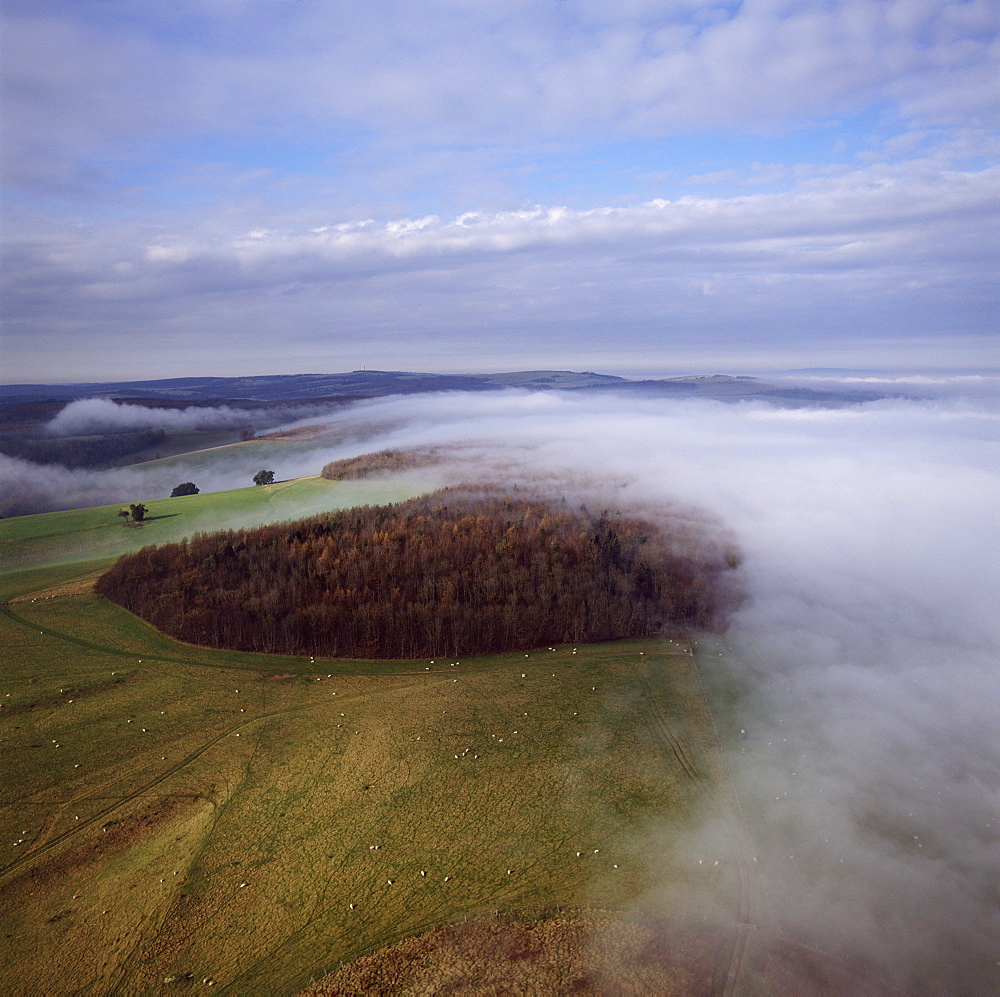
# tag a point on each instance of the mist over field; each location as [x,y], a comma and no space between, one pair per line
[864,670]
[801,193]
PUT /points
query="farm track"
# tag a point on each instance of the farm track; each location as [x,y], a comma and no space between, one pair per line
[190,662]
[7,871]
[142,790]
[736,825]
[104,649]
[732,821]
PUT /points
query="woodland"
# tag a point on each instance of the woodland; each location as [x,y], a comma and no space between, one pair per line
[458,572]
[80,451]
[381,462]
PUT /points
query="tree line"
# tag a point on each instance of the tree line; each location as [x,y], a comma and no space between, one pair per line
[455,573]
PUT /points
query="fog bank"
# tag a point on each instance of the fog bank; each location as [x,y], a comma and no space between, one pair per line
[865,667]
[88,416]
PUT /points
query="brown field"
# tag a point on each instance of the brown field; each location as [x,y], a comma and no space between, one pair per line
[589,952]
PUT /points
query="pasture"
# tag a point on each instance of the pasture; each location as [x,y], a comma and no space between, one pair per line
[171,813]
[97,534]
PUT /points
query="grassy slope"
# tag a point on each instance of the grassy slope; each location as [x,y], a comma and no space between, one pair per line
[123,850]
[189,461]
[97,534]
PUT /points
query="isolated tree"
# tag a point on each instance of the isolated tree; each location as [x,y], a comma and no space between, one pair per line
[123,514]
[138,512]
[185,488]
[263,477]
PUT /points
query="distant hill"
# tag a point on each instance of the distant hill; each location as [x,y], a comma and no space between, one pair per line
[375,383]
[354,384]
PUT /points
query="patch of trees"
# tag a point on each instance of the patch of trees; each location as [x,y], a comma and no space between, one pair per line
[263,477]
[184,488]
[455,573]
[136,511]
[384,462]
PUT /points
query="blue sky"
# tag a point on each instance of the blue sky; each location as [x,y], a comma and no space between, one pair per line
[276,186]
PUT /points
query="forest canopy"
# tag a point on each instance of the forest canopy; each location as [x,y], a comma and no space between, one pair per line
[455,573]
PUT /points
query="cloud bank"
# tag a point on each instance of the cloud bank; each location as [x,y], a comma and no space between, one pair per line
[865,668]
[291,186]
[885,261]
[88,416]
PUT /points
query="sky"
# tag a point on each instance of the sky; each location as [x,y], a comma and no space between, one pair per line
[223,187]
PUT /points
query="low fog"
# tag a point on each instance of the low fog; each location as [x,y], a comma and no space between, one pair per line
[863,669]
[88,416]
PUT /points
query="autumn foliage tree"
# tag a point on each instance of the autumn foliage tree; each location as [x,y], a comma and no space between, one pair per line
[455,573]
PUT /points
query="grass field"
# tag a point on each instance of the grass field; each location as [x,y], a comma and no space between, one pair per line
[255,821]
[97,534]
[193,453]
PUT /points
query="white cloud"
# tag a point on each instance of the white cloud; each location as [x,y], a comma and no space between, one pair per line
[880,217]
[454,70]
[89,416]
[897,249]
[244,172]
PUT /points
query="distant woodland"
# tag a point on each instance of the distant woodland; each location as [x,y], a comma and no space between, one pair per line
[454,573]
[381,462]
[81,451]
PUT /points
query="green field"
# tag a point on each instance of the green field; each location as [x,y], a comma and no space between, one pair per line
[197,453]
[97,534]
[170,810]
